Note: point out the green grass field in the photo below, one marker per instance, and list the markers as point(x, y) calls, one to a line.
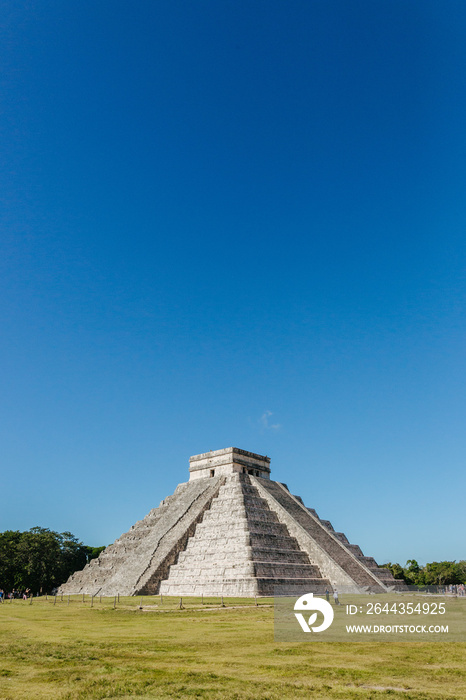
point(72, 651)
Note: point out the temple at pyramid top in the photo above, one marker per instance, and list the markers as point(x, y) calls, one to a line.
point(230, 460)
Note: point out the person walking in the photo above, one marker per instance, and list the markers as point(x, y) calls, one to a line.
point(335, 597)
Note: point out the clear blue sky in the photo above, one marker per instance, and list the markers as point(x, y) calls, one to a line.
point(235, 224)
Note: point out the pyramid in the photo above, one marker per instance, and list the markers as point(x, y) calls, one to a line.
point(230, 530)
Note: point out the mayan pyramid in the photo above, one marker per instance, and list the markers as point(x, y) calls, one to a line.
point(230, 531)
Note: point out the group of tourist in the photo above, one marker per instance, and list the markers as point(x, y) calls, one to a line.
point(15, 593)
point(456, 589)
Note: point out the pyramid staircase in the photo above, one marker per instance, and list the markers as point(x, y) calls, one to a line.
point(240, 548)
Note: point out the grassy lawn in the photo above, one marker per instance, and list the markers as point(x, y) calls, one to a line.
point(72, 651)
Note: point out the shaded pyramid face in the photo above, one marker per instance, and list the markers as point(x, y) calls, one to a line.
point(230, 531)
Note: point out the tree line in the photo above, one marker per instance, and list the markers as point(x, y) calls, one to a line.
point(40, 559)
point(436, 573)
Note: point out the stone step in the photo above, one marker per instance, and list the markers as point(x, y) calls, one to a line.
point(327, 524)
point(385, 575)
point(252, 516)
point(342, 537)
point(369, 562)
point(247, 587)
point(209, 525)
point(278, 555)
point(220, 570)
point(356, 550)
point(218, 544)
point(243, 524)
point(285, 570)
point(268, 528)
point(249, 500)
point(293, 587)
point(258, 539)
point(233, 509)
point(224, 545)
point(211, 557)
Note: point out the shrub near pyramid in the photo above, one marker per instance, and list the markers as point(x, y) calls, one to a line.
point(230, 531)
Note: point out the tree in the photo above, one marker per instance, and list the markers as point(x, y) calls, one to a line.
point(412, 573)
point(443, 573)
point(435, 573)
point(462, 570)
point(39, 559)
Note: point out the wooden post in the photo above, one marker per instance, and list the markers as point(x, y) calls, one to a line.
point(181, 603)
point(118, 597)
point(255, 598)
point(30, 602)
point(100, 598)
point(114, 603)
point(55, 599)
point(68, 600)
point(83, 597)
point(92, 601)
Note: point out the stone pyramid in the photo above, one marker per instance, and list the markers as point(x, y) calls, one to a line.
point(230, 531)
